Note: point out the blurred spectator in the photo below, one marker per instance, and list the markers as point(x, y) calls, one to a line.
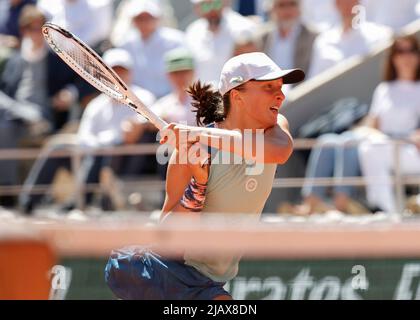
point(334, 155)
point(37, 91)
point(101, 123)
point(319, 15)
point(176, 106)
point(394, 14)
point(352, 37)
point(36, 75)
point(250, 7)
point(149, 45)
point(211, 38)
point(288, 42)
point(247, 44)
point(123, 25)
point(107, 123)
point(90, 20)
point(9, 27)
point(104, 123)
point(9, 15)
point(395, 111)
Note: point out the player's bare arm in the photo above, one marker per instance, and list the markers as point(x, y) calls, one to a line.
point(177, 180)
point(277, 141)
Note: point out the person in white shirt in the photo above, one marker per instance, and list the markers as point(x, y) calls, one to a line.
point(394, 14)
point(320, 15)
point(90, 20)
point(148, 46)
point(104, 123)
point(395, 111)
point(176, 106)
point(289, 42)
point(211, 38)
point(353, 37)
point(122, 25)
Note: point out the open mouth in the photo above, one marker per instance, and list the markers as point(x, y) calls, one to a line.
point(275, 109)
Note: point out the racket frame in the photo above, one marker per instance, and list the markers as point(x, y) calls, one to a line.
point(127, 96)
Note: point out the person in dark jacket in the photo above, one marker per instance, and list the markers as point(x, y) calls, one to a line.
point(38, 92)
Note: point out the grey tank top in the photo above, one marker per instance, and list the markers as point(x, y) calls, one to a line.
point(232, 189)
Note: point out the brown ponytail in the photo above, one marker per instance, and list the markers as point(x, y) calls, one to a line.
point(208, 104)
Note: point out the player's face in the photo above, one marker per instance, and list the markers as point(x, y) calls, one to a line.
point(262, 101)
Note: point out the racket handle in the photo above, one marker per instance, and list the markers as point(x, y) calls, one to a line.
point(141, 109)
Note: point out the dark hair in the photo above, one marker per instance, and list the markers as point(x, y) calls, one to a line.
point(390, 70)
point(208, 104)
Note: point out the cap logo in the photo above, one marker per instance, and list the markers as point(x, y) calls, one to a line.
point(238, 79)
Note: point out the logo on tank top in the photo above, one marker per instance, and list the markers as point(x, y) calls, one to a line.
point(251, 185)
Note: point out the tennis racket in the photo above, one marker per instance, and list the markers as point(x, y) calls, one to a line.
point(90, 66)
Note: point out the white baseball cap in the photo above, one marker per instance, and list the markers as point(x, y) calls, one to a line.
point(254, 66)
point(137, 7)
point(118, 57)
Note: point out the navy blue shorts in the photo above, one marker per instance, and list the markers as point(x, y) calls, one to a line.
point(136, 273)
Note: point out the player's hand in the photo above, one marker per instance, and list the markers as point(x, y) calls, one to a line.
point(179, 136)
point(186, 140)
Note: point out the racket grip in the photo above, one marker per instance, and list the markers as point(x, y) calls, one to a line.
point(141, 109)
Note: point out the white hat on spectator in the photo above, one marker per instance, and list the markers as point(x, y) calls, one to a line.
point(137, 7)
point(254, 66)
point(117, 57)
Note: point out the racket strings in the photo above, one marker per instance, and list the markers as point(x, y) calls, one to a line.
point(83, 63)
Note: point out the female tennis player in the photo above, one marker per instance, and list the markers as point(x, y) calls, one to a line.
point(249, 97)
